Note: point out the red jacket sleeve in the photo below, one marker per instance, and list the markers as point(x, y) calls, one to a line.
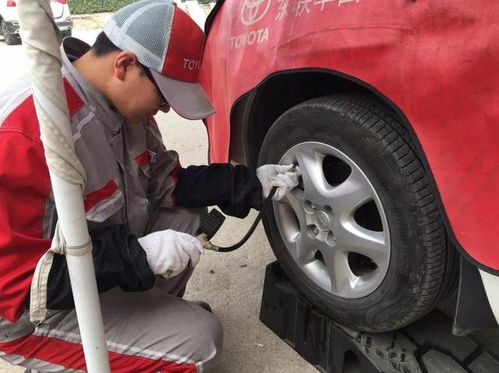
point(24, 189)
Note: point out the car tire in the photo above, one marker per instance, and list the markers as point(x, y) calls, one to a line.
point(362, 237)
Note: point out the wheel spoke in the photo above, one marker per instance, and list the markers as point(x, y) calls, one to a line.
point(295, 200)
point(310, 162)
point(350, 194)
point(342, 278)
point(305, 248)
point(353, 238)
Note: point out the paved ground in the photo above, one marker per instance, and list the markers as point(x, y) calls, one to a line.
point(231, 283)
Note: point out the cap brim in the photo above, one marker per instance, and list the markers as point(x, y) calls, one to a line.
point(187, 99)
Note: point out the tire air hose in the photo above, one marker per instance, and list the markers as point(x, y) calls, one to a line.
point(214, 220)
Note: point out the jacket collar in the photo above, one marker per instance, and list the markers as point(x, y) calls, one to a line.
point(72, 49)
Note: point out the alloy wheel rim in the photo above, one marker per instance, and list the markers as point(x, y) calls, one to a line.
point(323, 222)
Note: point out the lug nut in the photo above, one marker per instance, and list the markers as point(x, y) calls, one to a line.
point(331, 239)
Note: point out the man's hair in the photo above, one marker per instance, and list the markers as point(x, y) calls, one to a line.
point(103, 45)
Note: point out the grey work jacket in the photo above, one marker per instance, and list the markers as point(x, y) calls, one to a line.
point(128, 168)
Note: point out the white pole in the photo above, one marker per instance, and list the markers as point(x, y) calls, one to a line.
point(41, 44)
point(69, 204)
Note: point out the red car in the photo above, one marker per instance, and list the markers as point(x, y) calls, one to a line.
point(391, 110)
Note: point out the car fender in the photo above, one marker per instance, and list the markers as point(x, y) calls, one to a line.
point(435, 62)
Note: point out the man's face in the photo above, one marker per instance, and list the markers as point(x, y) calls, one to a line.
point(135, 94)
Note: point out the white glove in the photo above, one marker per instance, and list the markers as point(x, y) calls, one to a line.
point(168, 252)
point(280, 176)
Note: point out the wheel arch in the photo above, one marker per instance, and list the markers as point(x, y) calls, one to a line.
point(277, 93)
point(254, 112)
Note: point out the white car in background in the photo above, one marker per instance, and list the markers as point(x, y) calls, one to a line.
point(9, 22)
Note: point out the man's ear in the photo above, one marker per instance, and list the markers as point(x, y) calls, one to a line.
point(122, 63)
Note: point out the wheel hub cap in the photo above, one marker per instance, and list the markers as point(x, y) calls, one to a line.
point(322, 221)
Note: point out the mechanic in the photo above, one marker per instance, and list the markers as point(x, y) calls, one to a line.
point(142, 207)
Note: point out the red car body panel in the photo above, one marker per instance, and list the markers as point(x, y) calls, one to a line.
point(437, 61)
